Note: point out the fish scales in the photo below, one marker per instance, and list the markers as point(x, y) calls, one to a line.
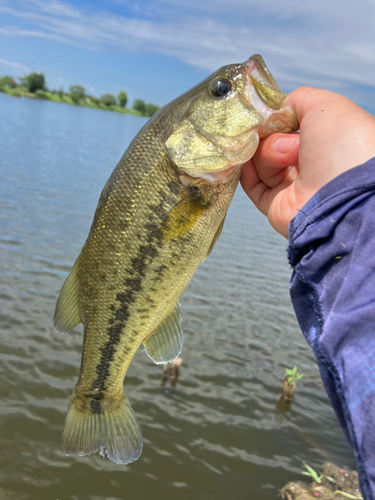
point(157, 219)
point(146, 250)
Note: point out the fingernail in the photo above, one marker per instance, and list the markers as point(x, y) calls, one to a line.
point(283, 144)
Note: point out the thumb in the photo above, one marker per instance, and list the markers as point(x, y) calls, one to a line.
point(274, 155)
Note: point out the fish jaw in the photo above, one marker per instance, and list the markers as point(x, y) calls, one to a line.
point(217, 136)
point(271, 103)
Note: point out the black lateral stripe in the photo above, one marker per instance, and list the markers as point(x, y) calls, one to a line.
point(133, 284)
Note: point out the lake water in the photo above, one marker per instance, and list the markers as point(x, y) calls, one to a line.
point(217, 435)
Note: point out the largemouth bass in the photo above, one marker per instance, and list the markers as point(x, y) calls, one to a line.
point(158, 217)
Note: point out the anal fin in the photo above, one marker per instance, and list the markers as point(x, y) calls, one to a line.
point(166, 343)
point(67, 314)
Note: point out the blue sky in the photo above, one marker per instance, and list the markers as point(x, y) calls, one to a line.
point(157, 49)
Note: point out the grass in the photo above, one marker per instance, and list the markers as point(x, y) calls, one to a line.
point(67, 99)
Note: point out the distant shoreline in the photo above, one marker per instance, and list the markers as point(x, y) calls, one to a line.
point(44, 95)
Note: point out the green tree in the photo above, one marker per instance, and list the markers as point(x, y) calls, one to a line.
point(33, 81)
point(92, 99)
point(151, 109)
point(77, 93)
point(7, 81)
point(122, 98)
point(108, 100)
point(139, 105)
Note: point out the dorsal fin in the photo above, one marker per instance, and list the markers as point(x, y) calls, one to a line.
point(166, 343)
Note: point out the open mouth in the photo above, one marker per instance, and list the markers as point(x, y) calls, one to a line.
point(256, 67)
point(264, 84)
point(252, 68)
point(267, 99)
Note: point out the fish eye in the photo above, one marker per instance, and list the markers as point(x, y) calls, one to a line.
point(221, 87)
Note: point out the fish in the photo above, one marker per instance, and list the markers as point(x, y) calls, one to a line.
point(158, 217)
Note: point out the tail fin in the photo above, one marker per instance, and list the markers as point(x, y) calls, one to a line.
point(114, 432)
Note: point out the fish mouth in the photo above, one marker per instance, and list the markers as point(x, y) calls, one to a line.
point(257, 69)
point(268, 100)
point(264, 83)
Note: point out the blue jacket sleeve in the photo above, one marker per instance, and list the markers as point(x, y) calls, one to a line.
point(332, 252)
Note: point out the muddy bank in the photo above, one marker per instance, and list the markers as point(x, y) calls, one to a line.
point(334, 483)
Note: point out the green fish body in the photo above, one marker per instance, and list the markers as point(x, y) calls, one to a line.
point(158, 217)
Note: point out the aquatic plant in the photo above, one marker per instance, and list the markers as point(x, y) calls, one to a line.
point(292, 375)
point(347, 495)
point(288, 388)
point(312, 473)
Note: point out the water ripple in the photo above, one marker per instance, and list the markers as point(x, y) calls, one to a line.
point(218, 434)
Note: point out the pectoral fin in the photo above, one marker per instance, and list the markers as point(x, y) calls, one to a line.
point(182, 218)
point(216, 237)
point(67, 314)
point(166, 343)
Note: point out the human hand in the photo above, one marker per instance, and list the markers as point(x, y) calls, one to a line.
point(288, 169)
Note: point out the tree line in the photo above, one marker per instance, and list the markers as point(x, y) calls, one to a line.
point(34, 85)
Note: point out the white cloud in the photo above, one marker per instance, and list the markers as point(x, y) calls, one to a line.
point(16, 68)
point(56, 8)
point(326, 43)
